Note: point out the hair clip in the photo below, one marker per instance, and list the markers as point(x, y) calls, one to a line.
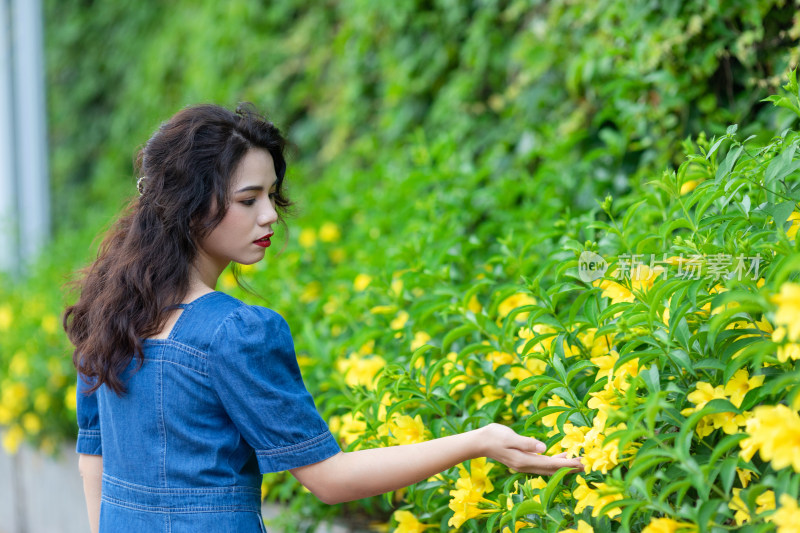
point(140, 185)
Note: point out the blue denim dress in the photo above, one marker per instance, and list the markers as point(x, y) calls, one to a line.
point(214, 406)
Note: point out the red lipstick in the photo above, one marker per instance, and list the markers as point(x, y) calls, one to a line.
point(264, 241)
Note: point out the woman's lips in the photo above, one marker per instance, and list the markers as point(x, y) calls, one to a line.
point(264, 241)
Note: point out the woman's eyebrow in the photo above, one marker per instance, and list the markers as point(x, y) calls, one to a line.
point(251, 188)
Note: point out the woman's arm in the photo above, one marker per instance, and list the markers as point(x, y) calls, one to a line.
point(91, 469)
point(354, 475)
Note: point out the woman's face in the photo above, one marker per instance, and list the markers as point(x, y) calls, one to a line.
point(243, 234)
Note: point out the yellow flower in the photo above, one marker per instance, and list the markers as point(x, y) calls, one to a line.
point(787, 517)
point(788, 313)
point(668, 525)
point(407, 430)
point(13, 395)
point(744, 476)
point(227, 280)
point(337, 255)
point(489, 393)
point(614, 291)
point(774, 431)
point(70, 398)
point(382, 309)
point(361, 370)
point(573, 439)
point(794, 218)
point(583, 527)
point(474, 305)
point(12, 438)
point(19, 366)
point(478, 474)
point(311, 292)
point(408, 523)
point(464, 502)
point(597, 345)
point(32, 423)
point(399, 321)
point(397, 286)
point(308, 237)
point(329, 232)
point(519, 299)
point(740, 384)
point(596, 498)
point(740, 513)
point(6, 317)
point(349, 427)
point(361, 282)
point(788, 351)
point(420, 339)
point(689, 186)
point(499, 359)
point(50, 324)
point(703, 394)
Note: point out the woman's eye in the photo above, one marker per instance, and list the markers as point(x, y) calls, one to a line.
point(249, 201)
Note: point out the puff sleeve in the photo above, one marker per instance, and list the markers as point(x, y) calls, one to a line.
point(89, 441)
point(254, 370)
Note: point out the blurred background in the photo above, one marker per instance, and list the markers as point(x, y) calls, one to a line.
point(429, 136)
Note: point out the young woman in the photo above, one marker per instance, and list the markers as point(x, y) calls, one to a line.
point(186, 395)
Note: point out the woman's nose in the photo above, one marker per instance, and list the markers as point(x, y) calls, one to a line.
point(268, 216)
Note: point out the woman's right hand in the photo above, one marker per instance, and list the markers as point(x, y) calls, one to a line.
point(523, 454)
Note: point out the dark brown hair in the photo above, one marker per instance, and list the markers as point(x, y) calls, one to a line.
point(143, 264)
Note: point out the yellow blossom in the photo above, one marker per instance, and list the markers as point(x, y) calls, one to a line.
point(573, 439)
point(740, 384)
point(489, 393)
point(689, 186)
point(614, 291)
point(408, 523)
point(12, 438)
point(788, 351)
point(70, 398)
point(361, 282)
point(407, 430)
point(420, 339)
point(787, 517)
point(329, 232)
point(349, 427)
point(596, 498)
point(361, 370)
point(499, 359)
point(478, 474)
point(744, 476)
point(227, 280)
point(32, 423)
point(399, 321)
point(464, 502)
point(583, 527)
point(397, 286)
point(774, 431)
point(788, 313)
point(474, 305)
point(597, 346)
point(50, 324)
point(308, 237)
point(6, 317)
point(382, 309)
point(311, 292)
point(668, 525)
point(514, 301)
point(551, 419)
point(19, 366)
point(794, 218)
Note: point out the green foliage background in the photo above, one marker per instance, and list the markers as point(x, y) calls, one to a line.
point(461, 147)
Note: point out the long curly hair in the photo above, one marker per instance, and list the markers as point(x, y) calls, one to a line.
point(142, 269)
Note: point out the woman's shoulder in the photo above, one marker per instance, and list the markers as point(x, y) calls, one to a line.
point(234, 316)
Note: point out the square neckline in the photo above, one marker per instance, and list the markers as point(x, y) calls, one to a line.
point(185, 309)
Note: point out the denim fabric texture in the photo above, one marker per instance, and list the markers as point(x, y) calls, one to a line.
point(215, 405)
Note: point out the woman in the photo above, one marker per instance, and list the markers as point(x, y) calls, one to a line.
point(186, 395)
